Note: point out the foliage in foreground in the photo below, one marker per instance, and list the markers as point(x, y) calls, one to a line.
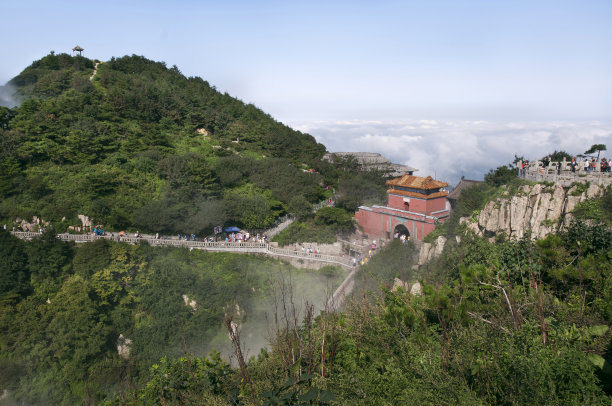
point(63, 308)
point(516, 322)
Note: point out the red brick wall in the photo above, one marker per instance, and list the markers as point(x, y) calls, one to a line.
point(436, 204)
point(417, 205)
point(380, 225)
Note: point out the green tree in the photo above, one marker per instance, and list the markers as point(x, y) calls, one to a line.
point(14, 270)
point(596, 147)
point(502, 175)
point(338, 218)
point(558, 156)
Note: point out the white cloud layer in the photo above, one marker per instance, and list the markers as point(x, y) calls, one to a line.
point(450, 149)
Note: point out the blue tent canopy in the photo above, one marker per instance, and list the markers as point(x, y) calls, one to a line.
point(232, 229)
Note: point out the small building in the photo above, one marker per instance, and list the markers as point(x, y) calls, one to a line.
point(371, 161)
point(464, 183)
point(77, 50)
point(415, 205)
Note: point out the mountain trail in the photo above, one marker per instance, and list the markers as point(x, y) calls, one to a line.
point(94, 71)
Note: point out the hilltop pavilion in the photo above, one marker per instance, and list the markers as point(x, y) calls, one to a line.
point(77, 50)
point(415, 205)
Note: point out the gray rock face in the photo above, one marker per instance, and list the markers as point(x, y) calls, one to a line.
point(424, 253)
point(35, 225)
point(539, 209)
point(429, 251)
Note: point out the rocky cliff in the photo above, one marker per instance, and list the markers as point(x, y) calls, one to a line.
point(538, 208)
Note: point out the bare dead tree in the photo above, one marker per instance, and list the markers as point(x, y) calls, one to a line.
point(234, 334)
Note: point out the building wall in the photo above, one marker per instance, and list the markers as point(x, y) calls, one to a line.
point(425, 206)
point(436, 204)
point(382, 225)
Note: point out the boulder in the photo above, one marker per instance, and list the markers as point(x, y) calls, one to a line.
point(439, 246)
point(398, 283)
point(416, 289)
point(123, 346)
point(191, 303)
point(424, 253)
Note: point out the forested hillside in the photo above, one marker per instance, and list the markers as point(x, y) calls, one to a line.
point(492, 320)
point(64, 309)
point(510, 322)
point(141, 145)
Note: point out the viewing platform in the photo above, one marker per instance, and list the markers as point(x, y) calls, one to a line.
point(562, 173)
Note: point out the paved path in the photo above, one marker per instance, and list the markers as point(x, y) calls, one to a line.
point(334, 303)
point(236, 247)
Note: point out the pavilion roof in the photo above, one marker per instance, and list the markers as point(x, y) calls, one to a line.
point(417, 182)
point(463, 183)
point(77, 48)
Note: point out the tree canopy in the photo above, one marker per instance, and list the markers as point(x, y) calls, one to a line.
point(140, 137)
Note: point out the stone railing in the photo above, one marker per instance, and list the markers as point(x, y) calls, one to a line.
point(279, 227)
point(236, 247)
point(341, 293)
point(561, 172)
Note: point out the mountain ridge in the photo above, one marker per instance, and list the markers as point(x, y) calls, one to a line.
point(138, 138)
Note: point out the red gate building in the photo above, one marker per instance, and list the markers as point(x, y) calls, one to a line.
point(415, 205)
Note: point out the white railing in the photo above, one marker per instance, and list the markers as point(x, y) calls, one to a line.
point(236, 247)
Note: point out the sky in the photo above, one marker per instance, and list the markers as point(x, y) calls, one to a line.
point(431, 84)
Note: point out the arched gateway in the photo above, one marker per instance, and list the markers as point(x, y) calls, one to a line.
point(401, 230)
point(415, 205)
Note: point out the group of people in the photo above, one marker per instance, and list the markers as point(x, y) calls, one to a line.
point(590, 165)
point(310, 250)
point(244, 237)
point(584, 164)
point(190, 237)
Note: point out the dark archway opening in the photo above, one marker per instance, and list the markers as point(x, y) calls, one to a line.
point(400, 231)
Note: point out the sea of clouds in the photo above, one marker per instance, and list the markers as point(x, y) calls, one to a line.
point(451, 149)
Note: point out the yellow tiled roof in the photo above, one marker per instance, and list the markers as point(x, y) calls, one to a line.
point(417, 182)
